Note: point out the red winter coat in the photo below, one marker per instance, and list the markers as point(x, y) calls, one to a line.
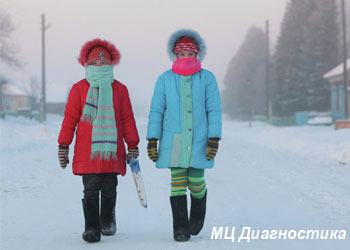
point(125, 124)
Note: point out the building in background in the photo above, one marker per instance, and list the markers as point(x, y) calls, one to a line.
point(14, 98)
point(335, 78)
point(18, 101)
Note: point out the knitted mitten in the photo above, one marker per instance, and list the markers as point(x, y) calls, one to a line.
point(133, 153)
point(212, 148)
point(63, 151)
point(152, 149)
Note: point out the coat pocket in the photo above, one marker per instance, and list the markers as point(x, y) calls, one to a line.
point(175, 158)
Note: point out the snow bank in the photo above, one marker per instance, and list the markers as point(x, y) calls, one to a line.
point(265, 177)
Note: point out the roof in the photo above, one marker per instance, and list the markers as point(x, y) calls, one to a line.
point(12, 89)
point(55, 93)
point(337, 71)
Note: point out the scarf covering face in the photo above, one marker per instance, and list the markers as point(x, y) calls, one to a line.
point(186, 66)
point(99, 112)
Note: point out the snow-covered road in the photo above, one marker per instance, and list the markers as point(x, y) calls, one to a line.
point(265, 178)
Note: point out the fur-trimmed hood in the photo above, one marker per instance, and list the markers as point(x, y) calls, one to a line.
point(86, 48)
point(188, 33)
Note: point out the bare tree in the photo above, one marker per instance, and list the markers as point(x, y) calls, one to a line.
point(34, 87)
point(8, 50)
point(34, 92)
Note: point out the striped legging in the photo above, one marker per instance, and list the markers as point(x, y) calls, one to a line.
point(193, 178)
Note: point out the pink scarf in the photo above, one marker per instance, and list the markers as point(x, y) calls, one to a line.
point(186, 66)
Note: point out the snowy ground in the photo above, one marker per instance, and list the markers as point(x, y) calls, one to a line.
point(265, 178)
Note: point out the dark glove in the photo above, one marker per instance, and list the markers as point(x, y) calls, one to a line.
point(152, 149)
point(63, 151)
point(212, 148)
point(133, 153)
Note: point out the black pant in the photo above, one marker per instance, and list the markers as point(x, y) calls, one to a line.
point(94, 183)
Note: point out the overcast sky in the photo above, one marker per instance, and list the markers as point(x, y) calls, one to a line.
point(139, 29)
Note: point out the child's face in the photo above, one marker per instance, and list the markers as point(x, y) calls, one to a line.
point(99, 57)
point(99, 62)
point(186, 54)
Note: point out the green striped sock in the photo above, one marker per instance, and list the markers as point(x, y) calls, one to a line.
point(196, 182)
point(178, 181)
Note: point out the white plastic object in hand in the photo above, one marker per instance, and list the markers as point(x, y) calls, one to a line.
point(136, 172)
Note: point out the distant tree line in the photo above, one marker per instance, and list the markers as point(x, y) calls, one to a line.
point(307, 47)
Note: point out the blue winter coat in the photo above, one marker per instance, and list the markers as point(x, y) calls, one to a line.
point(166, 118)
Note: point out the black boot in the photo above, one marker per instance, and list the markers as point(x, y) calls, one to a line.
point(92, 224)
point(109, 183)
point(108, 225)
point(180, 218)
point(197, 214)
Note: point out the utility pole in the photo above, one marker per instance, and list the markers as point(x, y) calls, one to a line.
point(267, 72)
point(44, 27)
point(2, 109)
point(252, 95)
point(345, 57)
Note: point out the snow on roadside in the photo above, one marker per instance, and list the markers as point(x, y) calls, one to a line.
point(265, 177)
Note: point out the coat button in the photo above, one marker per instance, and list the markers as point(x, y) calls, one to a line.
point(190, 129)
point(190, 111)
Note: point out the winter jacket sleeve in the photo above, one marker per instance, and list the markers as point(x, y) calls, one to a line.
point(158, 104)
point(213, 107)
point(71, 117)
point(131, 135)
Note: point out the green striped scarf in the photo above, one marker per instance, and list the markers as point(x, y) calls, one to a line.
point(99, 112)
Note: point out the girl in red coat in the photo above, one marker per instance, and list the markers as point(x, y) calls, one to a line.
point(100, 112)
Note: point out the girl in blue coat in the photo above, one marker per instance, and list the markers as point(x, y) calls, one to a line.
point(185, 118)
